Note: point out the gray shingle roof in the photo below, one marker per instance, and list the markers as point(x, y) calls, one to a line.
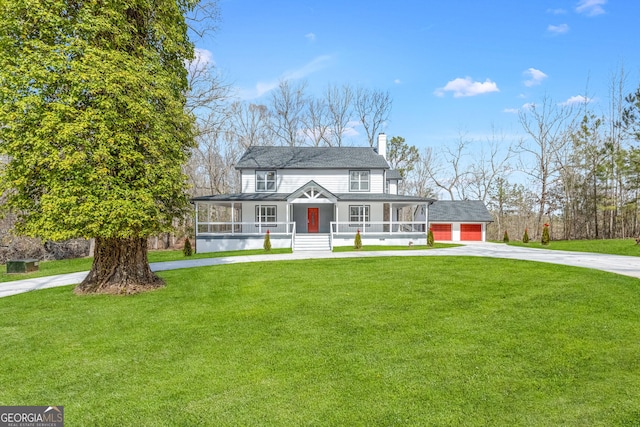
point(260, 157)
point(393, 174)
point(344, 197)
point(459, 211)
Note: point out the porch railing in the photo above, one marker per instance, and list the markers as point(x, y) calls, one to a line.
point(245, 228)
point(379, 227)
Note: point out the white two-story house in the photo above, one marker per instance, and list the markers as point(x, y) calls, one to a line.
point(313, 198)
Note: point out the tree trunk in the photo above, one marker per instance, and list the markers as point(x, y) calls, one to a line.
point(120, 266)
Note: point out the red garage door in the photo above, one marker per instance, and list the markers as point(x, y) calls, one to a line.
point(441, 231)
point(471, 232)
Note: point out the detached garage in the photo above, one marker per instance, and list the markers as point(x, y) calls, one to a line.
point(459, 220)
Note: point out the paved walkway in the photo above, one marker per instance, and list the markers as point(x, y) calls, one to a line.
point(625, 265)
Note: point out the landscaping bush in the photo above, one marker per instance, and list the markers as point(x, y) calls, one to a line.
point(525, 236)
point(430, 239)
point(267, 242)
point(187, 250)
point(505, 238)
point(545, 235)
point(358, 242)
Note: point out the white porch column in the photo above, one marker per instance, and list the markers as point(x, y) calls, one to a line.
point(287, 218)
point(390, 218)
point(233, 218)
point(426, 217)
point(196, 221)
point(260, 219)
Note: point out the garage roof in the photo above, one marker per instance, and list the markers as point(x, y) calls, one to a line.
point(459, 211)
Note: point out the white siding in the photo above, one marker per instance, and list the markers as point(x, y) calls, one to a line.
point(334, 180)
point(376, 210)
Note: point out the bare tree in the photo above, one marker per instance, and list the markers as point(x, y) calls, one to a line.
point(372, 108)
point(548, 125)
point(446, 170)
point(288, 104)
point(489, 164)
point(418, 180)
point(317, 123)
point(249, 125)
point(339, 104)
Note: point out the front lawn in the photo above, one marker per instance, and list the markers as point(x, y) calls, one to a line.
point(609, 246)
point(384, 341)
point(52, 268)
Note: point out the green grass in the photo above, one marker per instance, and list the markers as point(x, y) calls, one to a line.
point(610, 246)
point(51, 268)
point(384, 341)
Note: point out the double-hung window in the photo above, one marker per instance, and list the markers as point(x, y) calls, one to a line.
point(265, 181)
point(265, 214)
point(359, 214)
point(359, 181)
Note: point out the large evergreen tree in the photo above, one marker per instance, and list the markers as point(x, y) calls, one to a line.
point(93, 126)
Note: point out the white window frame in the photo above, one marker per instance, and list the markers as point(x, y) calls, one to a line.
point(266, 181)
point(362, 216)
point(266, 214)
point(358, 180)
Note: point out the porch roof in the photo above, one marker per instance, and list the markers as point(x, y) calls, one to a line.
point(282, 197)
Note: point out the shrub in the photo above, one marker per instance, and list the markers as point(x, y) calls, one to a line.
point(545, 235)
point(187, 250)
point(358, 242)
point(430, 238)
point(267, 242)
point(505, 238)
point(525, 236)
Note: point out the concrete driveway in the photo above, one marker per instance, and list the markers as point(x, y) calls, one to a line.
point(625, 265)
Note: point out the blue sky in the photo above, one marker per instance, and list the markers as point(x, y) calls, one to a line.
point(450, 66)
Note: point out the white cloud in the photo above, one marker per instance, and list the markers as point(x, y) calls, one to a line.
point(467, 87)
point(557, 11)
point(578, 99)
point(309, 68)
point(202, 59)
point(526, 106)
point(558, 29)
point(535, 77)
point(591, 7)
point(203, 56)
point(397, 81)
point(299, 73)
point(311, 37)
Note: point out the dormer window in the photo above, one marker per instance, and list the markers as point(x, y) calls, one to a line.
point(359, 181)
point(265, 181)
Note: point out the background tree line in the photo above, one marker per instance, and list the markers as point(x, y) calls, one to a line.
point(571, 166)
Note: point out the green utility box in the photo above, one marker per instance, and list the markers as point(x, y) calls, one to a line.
point(22, 265)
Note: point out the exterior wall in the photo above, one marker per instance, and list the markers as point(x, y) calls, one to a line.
point(376, 210)
point(325, 212)
point(455, 229)
point(396, 240)
point(334, 180)
point(249, 211)
point(393, 186)
point(234, 243)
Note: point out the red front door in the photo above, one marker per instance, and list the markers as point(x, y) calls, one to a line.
point(312, 220)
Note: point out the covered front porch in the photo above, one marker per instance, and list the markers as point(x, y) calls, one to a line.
point(240, 221)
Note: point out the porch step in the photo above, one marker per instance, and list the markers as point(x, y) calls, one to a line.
point(312, 242)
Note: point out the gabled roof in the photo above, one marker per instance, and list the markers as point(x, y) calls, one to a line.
point(260, 157)
point(459, 211)
point(313, 190)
